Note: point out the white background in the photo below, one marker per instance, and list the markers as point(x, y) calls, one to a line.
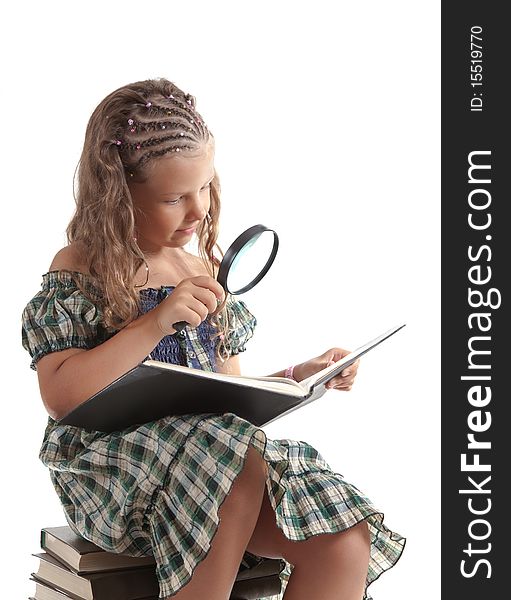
point(327, 124)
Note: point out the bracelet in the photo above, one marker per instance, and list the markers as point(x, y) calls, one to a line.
point(289, 372)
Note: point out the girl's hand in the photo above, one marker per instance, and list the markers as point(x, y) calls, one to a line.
point(191, 301)
point(343, 381)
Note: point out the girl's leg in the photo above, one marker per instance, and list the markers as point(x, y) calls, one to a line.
point(330, 566)
point(214, 577)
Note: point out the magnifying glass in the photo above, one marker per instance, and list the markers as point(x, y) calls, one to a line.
point(246, 262)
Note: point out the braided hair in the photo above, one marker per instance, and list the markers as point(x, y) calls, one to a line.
point(130, 129)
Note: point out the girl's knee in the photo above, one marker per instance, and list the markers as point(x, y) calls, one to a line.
point(356, 541)
point(255, 467)
point(361, 537)
point(250, 484)
point(352, 544)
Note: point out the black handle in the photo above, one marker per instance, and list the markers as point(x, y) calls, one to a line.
point(179, 326)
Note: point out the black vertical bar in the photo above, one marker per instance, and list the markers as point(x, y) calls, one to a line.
point(475, 255)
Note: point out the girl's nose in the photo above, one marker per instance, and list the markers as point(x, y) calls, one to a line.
point(197, 210)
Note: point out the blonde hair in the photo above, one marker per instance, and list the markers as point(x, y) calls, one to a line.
point(130, 129)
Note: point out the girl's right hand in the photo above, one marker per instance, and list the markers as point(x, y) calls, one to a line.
point(191, 301)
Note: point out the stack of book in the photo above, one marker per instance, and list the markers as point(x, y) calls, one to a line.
point(71, 567)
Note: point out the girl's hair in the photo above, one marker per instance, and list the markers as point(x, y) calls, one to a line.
point(130, 129)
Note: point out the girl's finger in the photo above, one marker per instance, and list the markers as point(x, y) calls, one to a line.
point(342, 388)
point(336, 383)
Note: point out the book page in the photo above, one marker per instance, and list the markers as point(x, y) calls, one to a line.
point(323, 376)
point(280, 385)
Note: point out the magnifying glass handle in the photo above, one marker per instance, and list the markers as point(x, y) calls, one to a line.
point(179, 326)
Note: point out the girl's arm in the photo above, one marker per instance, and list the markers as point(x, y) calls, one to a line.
point(343, 381)
point(67, 378)
point(296, 373)
point(232, 367)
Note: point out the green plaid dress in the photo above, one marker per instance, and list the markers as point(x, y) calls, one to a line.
point(155, 489)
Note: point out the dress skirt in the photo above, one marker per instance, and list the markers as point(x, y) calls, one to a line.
point(156, 489)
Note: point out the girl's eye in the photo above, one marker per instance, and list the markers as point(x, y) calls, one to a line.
point(174, 202)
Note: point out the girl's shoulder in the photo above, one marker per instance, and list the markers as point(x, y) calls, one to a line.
point(69, 265)
point(70, 258)
point(67, 269)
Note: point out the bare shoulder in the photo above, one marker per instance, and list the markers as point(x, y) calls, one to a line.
point(70, 257)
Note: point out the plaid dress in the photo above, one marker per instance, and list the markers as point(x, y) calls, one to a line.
point(155, 489)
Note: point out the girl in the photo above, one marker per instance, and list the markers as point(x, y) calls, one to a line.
point(195, 491)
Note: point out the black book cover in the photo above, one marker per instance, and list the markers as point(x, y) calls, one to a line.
point(147, 393)
point(153, 390)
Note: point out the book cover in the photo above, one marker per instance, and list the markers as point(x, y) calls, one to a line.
point(154, 389)
point(45, 591)
point(55, 582)
point(82, 556)
point(75, 551)
point(130, 584)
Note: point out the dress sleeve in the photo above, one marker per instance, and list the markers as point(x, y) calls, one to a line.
point(58, 317)
point(241, 327)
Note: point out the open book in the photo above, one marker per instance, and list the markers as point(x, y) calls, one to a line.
point(155, 389)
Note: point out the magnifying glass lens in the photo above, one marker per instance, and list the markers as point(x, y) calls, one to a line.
point(246, 262)
point(250, 261)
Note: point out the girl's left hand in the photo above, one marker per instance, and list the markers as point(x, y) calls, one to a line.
point(343, 381)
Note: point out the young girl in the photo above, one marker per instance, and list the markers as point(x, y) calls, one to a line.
point(195, 491)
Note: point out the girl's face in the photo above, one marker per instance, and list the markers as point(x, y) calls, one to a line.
point(173, 200)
